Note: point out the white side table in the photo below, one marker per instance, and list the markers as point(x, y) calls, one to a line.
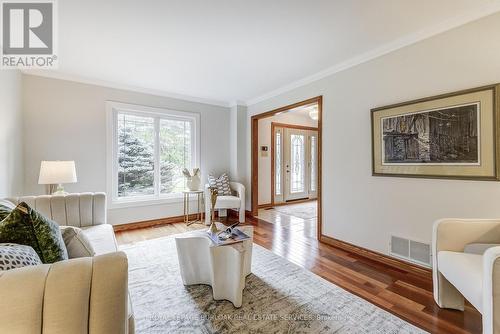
point(222, 267)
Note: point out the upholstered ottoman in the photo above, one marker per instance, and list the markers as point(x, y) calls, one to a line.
point(222, 267)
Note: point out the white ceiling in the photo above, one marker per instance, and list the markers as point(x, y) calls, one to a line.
point(237, 50)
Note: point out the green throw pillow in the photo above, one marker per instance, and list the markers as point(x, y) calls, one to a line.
point(26, 226)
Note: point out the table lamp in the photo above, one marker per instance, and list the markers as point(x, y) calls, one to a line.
point(57, 172)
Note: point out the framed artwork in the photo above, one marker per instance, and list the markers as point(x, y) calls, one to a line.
point(452, 136)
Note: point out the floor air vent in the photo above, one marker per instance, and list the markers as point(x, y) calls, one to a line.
point(410, 250)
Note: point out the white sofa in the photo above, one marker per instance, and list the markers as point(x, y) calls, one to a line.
point(98, 285)
point(466, 263)
point(236, 201)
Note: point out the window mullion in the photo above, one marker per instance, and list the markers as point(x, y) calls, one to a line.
point(194, 145)
point(115, 149)
point(157, 182)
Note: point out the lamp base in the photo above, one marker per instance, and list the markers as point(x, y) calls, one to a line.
point(59, 190)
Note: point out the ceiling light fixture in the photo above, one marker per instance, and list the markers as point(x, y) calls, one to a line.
point(314, 113)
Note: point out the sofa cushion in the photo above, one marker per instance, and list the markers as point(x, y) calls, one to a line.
point(16, 256)
point(465, 272)
point(77, 243)
point(26, 226)
point(102, 238)
point(221, 184)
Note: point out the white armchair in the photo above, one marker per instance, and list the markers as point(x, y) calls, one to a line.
point(459, 272)
point(236, 201)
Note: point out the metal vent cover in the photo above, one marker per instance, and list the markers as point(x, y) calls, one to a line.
point(420, 252)
point(400, 246)
point(411, 250)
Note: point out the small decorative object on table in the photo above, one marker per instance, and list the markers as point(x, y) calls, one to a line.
point(213, 228)
point(193, 180)
point(227, 236)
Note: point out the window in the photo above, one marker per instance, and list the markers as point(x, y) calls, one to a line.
point(149, 148)
point(277, 164)
point(314, 163)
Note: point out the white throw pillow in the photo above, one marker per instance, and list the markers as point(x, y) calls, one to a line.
point(221, 183)
point(77, 244)
point(14, 256)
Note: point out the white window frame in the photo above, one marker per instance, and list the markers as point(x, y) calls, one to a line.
point(112, 110)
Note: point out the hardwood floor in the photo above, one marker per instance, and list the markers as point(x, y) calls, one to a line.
point(404, 294)
point(289, 217)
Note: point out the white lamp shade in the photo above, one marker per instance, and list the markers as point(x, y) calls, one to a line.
point(57, 172)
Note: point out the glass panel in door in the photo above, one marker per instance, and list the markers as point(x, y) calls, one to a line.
point(297, 163)
point(313, 164)
point(277, 164)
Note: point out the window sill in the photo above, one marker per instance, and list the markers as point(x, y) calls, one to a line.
point(138, 202)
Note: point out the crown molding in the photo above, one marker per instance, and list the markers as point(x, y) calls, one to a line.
point(237, 103)
point(400, 43)
point(52, 74)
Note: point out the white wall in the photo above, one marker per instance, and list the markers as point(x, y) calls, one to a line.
point(11, 134)
point(366, 210)
point(66, 120)
point(237, 142)
point(294, 118)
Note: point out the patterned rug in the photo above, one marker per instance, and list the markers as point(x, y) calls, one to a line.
point(280, 297)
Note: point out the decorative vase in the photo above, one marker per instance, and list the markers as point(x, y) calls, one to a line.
point(213, 199)
point(193, 183)
point(213, 228)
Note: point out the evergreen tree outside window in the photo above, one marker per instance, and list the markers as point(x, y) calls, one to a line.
point(135, 155)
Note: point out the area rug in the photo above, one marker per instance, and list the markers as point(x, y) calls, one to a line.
point(306, 210)
point(280, 297)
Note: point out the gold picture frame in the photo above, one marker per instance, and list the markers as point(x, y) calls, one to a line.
point(449, 136)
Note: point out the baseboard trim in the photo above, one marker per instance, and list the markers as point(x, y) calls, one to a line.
point(176, 219)
point(297, 201)
point(152, 222)
point(379, 257)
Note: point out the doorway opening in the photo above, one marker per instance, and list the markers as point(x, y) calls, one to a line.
point(286, 165)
